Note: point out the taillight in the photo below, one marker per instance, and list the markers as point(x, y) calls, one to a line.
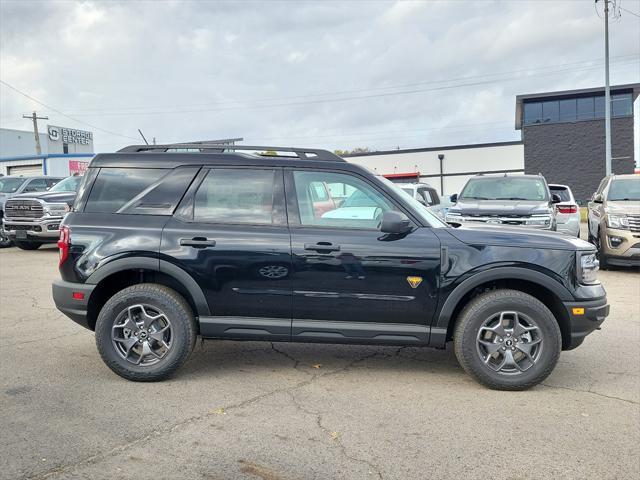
point(64, 242)
point(567, 209)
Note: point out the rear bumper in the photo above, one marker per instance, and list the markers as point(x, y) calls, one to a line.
point(570, 226)
point(75, 309)
point(582, 324)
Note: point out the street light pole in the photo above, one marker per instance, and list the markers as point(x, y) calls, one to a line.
point(607, 92)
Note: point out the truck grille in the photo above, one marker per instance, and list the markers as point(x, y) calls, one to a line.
point(634, 223)
point(23, 209)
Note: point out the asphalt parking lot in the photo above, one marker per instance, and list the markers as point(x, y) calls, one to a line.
point(262, 411)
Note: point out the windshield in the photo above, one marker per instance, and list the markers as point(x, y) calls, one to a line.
point(505, 188)
point(69, 184)
point(418, 208)
point(10, 185)
point(625, 189)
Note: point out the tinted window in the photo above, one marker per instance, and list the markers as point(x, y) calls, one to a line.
point(550, 111)
point(621, 105)
point(505, 188)
point(598, 107)
point(585, 108)
point(10, 185)
point(532, 113)
point(562, 192)
point(37, 185)
point(568, 110)
point(236, 196)
point(363, 207)
point(115, 187)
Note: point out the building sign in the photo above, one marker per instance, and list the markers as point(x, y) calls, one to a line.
point(69, 135)
point(77, 167)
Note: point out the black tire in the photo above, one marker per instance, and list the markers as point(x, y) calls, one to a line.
point(5, 242)
point(162, 299)
point(28, 245)
point(485, 306)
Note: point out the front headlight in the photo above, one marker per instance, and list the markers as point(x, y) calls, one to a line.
point(56, 209)
point(539, 220)
point(617, 221)
point(588, 266)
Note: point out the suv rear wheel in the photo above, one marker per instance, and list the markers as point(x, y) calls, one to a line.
point(145, 332)
point(507, 340)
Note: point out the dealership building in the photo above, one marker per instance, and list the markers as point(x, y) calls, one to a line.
point(65, 151)
point(562, 137)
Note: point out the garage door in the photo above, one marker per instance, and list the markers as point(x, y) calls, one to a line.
point(25, 170)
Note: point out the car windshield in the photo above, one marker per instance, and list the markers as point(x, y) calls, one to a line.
point(10, 185)
point(625, 189)
point(359, 199)
point(418, 208)
point(562, 192)
point(505, 188)
point(69, 184)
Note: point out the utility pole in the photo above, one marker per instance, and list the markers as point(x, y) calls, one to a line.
point(35, 119)
point(607, 90)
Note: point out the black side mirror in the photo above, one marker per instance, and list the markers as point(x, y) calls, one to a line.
point(555, 198)
point(395, 222)
point(454, 198)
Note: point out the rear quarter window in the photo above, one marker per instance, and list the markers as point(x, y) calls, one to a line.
point(562, 192)
point(115, 187)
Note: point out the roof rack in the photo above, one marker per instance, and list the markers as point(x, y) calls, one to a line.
point(260, 150)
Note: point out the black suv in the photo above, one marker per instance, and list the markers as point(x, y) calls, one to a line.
point(164, 244)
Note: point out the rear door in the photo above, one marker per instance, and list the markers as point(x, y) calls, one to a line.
point(353, 283)
point(230, 234)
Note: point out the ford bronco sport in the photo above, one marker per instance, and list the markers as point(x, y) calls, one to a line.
point(162, 246)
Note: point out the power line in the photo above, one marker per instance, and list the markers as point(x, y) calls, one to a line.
point(629, 11)
point(64, 114)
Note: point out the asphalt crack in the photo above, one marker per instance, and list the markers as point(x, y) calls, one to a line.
point(577, 390)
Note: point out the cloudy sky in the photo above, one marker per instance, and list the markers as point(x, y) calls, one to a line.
point(333, 74)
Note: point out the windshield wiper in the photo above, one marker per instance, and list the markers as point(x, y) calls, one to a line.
point(474, 198)
point(512, 198)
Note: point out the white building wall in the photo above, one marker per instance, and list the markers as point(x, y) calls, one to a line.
point(14, 143)
point(459, 163)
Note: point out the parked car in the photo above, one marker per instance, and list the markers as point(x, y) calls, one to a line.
point(12, 185)
point(516, 200)
point(33, 219)
point(426, 195)
point(614, 220)
point(162, 247)
point(567, 211)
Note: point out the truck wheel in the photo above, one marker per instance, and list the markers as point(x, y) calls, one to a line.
point(507, 340)
point(28, 245)
point(145, 332)
point(5, 241)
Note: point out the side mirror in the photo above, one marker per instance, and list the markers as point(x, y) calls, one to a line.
point(555, 198)
point(395, 222)
point(598, 198)
point(454, 198)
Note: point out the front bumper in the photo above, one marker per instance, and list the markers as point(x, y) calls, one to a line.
point(620, 247)
point(584, 318)
point(44, 230)
point(74, 308)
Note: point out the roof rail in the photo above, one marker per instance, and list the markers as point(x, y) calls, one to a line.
point(260, 150)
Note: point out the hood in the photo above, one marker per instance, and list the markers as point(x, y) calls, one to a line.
point(629, 207)
point(518, 237)
point(48, 197)
point(500, 207)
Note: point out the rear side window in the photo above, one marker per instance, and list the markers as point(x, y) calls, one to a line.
point(236, 196)
point(36, 185)
point(115, 187)
point(562, 192)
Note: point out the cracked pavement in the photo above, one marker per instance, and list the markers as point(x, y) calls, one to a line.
point(256, 410)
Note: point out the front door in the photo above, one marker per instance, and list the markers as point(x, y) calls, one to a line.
point(230, 235)
point(351, 282)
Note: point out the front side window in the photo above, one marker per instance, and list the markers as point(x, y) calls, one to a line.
point(115, 187)
point(426, 196)
point(505, 188)
point(362, 208)
point(624, 189)
point(236, 196)
point(36, 185)
point(69, 184)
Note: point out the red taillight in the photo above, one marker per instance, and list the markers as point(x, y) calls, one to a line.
point(64, 243)
point(567, 209)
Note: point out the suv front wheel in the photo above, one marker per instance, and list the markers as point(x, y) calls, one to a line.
point(507, 340)
point(145, 332)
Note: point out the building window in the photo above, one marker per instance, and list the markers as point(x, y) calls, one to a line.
point(65, 148)
point(576, 109)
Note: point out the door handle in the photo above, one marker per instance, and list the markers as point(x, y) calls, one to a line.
point(322, 247)
point(197, 242)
